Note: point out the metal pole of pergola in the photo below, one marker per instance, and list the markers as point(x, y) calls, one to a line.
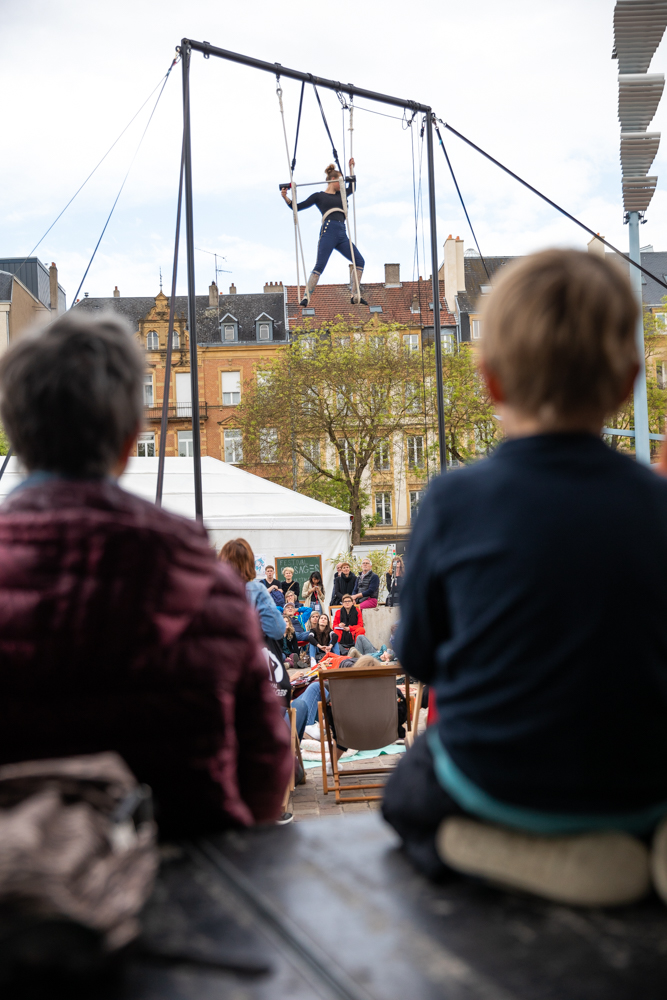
point(187, 47)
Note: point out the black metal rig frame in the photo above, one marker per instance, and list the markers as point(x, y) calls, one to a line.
point(188, 46)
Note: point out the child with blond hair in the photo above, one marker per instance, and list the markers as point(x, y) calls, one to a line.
point(535, 604)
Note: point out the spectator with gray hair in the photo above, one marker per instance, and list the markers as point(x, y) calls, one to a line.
point(119, 629)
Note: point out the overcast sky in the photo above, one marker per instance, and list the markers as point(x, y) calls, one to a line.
point(533, 83)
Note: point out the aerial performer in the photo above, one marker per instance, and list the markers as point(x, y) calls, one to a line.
point(333, 234)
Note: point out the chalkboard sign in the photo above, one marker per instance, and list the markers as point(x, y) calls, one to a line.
point(303, 566)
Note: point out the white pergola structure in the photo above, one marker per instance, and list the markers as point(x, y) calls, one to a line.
point(638, 29)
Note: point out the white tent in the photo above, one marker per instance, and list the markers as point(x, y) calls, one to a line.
point(274, 520)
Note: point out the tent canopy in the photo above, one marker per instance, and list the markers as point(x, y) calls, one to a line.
point(274, 520)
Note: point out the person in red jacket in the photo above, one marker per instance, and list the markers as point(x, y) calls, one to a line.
point(119, 628)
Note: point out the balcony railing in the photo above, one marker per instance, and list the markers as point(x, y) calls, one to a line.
point(179, 411)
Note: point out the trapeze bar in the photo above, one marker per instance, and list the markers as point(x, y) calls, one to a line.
point(295, 74)
point(630, 434)
point(310, 184)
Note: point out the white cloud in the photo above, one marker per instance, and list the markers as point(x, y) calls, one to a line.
point(531, 83)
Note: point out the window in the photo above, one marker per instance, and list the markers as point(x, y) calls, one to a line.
point(415, 499)
point(185, 449)
point(381, 459)
point(476, 329)
point(307, 343)
point(448, 343)
point(312, 450)
point(343, 341)
point(411, 341)
point(661, 374)
point(310, 402)
point(268, 444)
point(146, 446)
point(415, 452)
point(231, 388)
point(350, 454)
point(229, 329)
point(485, 289)
point(660, 322)
point(263, 379)
point(233, 447)
point(183, 394)
point(152, 342)
point(148, 390)
point(307, 312)
point(175, 340)
point(415, 307)
point(264, 331)
point(375, 309)
point(383, 507)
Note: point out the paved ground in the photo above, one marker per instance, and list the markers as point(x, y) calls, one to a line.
point(310, 802)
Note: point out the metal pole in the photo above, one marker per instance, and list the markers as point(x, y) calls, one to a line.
point(294, 74)
point(164, 423)
point(436, 292)
point(642, 441)
point(192, 305)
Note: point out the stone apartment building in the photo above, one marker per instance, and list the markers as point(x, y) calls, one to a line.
point(29, 294)
point(236, 332)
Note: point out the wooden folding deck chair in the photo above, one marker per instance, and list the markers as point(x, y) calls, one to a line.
point(365, 713)
point(296, 753)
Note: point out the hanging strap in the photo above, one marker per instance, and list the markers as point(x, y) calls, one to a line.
point(298, 124)
point(326, 125)
point(298, 245)
point(354, 199)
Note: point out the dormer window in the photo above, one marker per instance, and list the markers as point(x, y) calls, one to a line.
point(152, 343)
point(229, 329)
point(264, 328)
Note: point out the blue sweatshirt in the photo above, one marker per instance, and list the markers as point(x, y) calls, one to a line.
point(535, 602)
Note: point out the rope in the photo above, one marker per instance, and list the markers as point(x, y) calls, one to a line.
point(553, 204)
point(136, 152)
point(326, 125)
point(99, 164)
point(298, 245)
point(463, 205)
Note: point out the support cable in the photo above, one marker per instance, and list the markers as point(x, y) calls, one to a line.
point(298, 124)
point(326, 125)
point(298, 243)
point(164, 422)
point(114, 143)
point(553, 204)
point(143, 136)
point(463, 205)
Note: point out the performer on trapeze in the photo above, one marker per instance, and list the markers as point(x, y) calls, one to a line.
point(333, 234)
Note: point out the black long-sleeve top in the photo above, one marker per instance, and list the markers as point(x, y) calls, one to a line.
point(326, 201)
point(535, 602)
point(343, 585)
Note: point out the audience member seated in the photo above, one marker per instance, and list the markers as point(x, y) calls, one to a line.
point(289, 585)
point(367, 586)
point(395, 582)
point(119, 629)
point(348, 623)
point(538, 612)
point(238, 554)
point(344, 583)
point(366, 648)
point(324, 641)
point(303, 634)
point(290, 642)
point(313, 591)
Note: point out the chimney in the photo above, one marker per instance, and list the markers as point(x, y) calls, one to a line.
point(116, 293)
point(232, 289)
point(273, 286)
point(392, 276)
point(213, 294)
point(453, 267)
point(596, 247)
point(53, 288)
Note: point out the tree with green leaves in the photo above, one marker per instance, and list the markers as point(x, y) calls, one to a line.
point(331, 398)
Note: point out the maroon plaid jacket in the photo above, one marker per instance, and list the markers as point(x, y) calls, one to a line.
point(119, 630)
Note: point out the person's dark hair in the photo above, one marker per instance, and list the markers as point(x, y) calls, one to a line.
point(70, 395)
point(316, 577)
point(239, 555)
